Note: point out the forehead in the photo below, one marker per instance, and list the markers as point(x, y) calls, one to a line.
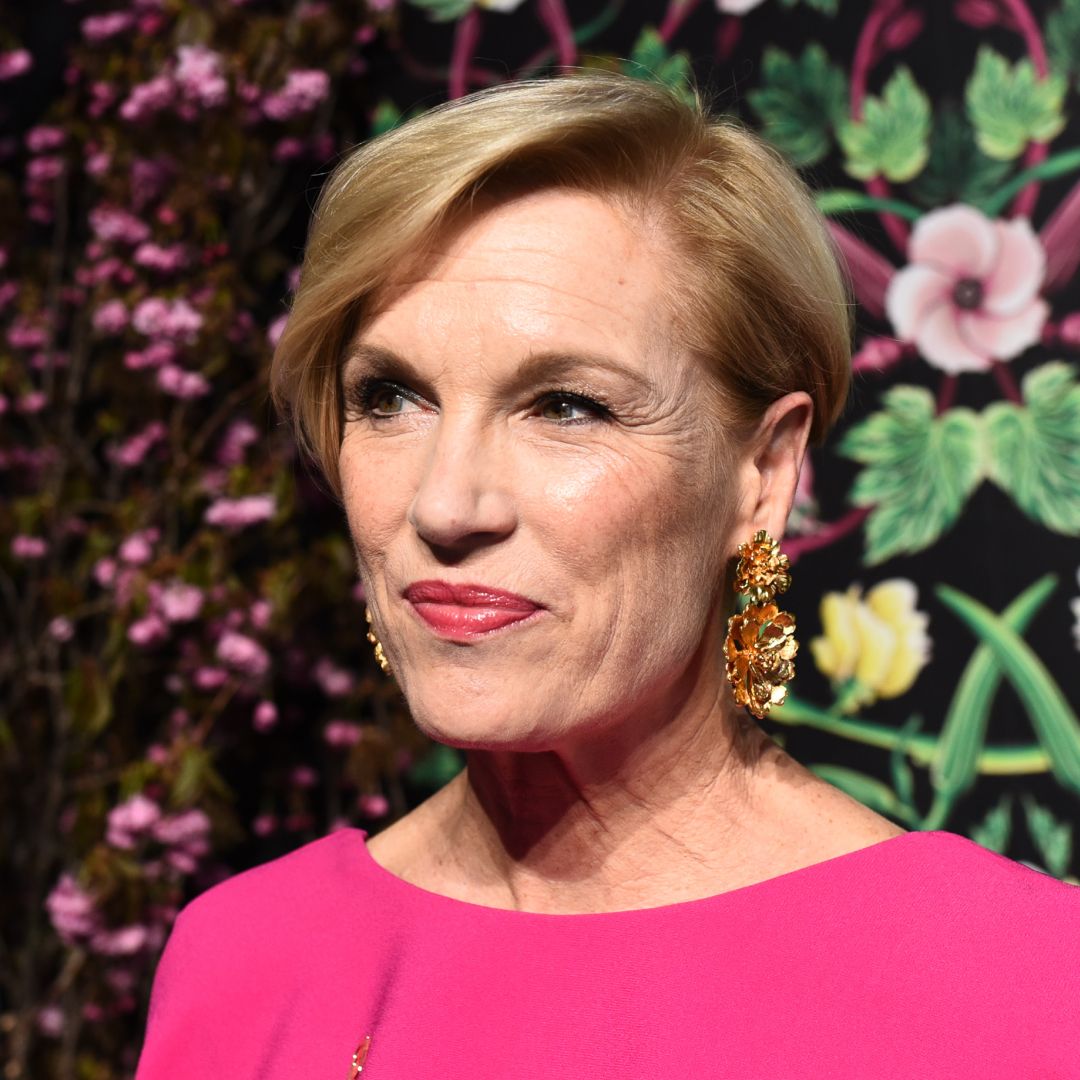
point(551, 264)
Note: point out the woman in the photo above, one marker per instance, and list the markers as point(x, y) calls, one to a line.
point(560, 348)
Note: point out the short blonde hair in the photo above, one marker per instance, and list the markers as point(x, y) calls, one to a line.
point(761, 295)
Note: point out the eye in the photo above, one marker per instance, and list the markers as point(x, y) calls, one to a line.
point(379, 398)
point(561, 406)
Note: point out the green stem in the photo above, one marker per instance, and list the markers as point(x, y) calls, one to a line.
point(1059, 165)
point(1025, 759)
point(837, 201)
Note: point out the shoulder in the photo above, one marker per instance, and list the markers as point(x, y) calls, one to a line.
point(993, 909)
point(284, 900)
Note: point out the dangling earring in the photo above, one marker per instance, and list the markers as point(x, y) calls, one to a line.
point(380, 656)
point(760, 645)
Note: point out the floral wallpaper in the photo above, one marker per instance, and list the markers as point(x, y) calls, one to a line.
point(185, 685)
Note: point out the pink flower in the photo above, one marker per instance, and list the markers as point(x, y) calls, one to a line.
point(32, 402)
point(133, 451)
point(147, 631)
point(61, 629)
point(373, 805)
point(264, 825)
point(110, 224)
point(149, 98)
point(243, 654)
point(240, 435)
point(98, 28)
point(105, 572)
point(137, 549)
point(260, 613)
point(302, 92)
point(210, 678)
point(199, 75)
point(174, 320)
point(15, 62)
point(303, 776)
point(180, 602)
point(238, 513)
point(130, 820)
point(276, 329)
point(333, 680)
point(970, 293)
point(165, 260)
point(126, 941)
point(188, 829)
point(72, 910)
point(111, 317)
point(28, 547)
point(50, 1021)
point(43, 138)
point(342, 733)
point(266, 716)
point(178, 383)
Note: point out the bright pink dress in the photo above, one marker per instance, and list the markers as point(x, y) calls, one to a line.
point(922, 957)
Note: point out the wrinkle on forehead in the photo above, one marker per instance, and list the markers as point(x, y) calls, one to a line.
point(616, 279)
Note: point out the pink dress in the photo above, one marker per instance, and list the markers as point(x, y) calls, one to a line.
point(922, 957)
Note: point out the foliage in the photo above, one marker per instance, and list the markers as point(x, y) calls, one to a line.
point(1010, 106)
point(957, 170)
point(651, 59)
point(1033, 449)
point(892, 139)
point(800, 103)
point(920, 469)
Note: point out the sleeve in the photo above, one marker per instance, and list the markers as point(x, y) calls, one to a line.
point(171, 1047)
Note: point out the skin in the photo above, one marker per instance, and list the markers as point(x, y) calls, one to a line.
point(607, 764)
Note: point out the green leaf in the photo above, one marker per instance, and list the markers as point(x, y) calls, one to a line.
point(826, 7)
point(651, 60)
point(1053, 838)
point(386, 116)
point(1033, 450)
point(920, 469)
point(436, 768)
point(444, 10)
point(957, 171)
point(1011, 106)
point(799, 102)
point(994, 830)
point(954, 766)
point(1051, 716)
point(892, 139)
point(1063, 38)
point(868, 790)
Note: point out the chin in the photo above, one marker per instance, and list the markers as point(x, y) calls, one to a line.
point(473, 722)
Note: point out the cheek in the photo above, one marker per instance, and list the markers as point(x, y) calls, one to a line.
point(373, 501)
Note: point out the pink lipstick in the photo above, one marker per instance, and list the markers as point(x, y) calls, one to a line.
point(461, 611)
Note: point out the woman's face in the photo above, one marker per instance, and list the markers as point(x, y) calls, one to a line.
point(519, 418)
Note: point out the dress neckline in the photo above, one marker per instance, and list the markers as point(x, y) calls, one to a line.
point(416, 894)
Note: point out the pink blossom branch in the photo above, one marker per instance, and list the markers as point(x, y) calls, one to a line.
point(868, 270)
point(553, 15)
point(1007, 383)
point(797, 546)
point(466, 38)
point(674, 17)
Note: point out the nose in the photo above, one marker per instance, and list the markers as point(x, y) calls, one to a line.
point(464, 498)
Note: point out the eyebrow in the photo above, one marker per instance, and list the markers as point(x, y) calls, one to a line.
point(536, 367)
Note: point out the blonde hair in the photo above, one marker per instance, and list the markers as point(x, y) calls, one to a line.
point(760, 292)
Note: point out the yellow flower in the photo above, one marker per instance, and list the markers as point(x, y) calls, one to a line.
point(876, 645)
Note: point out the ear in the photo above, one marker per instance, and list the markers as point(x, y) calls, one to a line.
point(773, 463)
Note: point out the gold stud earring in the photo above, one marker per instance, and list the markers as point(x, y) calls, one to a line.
point(380, 656)
point(760, 645)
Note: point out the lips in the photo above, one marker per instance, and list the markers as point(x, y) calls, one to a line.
point(459, 611)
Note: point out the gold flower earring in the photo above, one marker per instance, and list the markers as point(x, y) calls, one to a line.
point(380, 656)
point(760, 645)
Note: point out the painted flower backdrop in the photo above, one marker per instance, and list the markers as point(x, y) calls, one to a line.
point(185, 688)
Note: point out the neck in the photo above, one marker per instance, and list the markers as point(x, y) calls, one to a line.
point(644, 812)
